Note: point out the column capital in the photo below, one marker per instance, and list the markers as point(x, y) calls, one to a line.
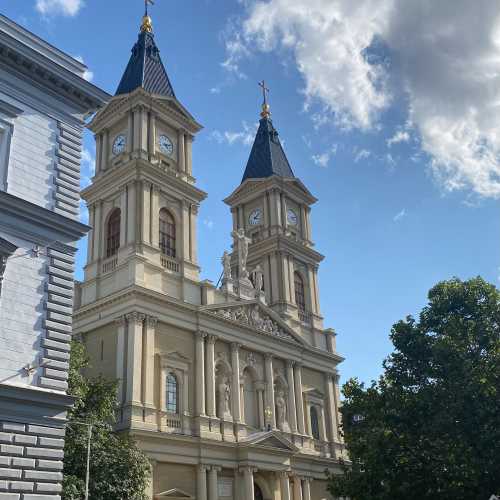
point(235, 346)
point(284, 473)
point(290, 363)
point(135, 317)
point(298, 365)
point(200, 335)
point(212, 339)
point(215, 468)
point(268, 356)
point(120, 321)
point(203, 467)
point(152, 321)
point(248, 468)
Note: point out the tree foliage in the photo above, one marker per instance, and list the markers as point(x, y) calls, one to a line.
point(430, 428)
point(118, 469)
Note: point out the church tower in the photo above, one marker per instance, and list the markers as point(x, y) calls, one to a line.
point(143, 203)
point(273, 207)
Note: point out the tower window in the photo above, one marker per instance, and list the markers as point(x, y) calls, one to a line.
point(113, 233)
point(167, 234)
point(314, 423)
point(300, 296)
point(172, 393)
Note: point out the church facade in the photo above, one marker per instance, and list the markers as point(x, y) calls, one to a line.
point(231, 391)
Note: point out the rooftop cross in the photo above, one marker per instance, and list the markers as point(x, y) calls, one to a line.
point(266, 113)
point(146, 3)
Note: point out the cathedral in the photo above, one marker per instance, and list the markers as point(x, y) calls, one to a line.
point(232, 391)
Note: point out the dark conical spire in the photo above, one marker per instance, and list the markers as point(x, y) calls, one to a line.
point(145, 68)
point(267, 157)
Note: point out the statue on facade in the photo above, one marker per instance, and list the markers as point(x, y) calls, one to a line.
point(258, 280)
point(226, 265)
point(280, 409)
point(243, 242)
point(224, 397)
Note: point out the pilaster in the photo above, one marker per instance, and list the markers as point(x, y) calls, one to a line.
point(299, 398)
point(235, 385)
point(291, 396)
point(148, 368)
point(134, 364)
point(270, 406)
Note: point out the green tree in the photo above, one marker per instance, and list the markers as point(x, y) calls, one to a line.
point(118, 468)
point(430, 428)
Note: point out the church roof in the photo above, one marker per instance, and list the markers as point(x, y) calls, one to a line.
point(145, 69)
point(267, 157)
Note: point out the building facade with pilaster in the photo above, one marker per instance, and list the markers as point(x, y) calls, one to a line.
point(231, 391)
point(43, 102)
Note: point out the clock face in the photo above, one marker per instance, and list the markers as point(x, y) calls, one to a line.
point(291, 217)
point(255, 217)
point(166, 146)
point(119, 144)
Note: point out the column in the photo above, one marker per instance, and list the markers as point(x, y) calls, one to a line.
point(297, 488)
point(120, 357)
point(152, 134)
point(97, 231)
point(235, 386)
point(270, 407)
point(185, 230)
point(303, 223)
point(316, 289)
point(307, 488)
point(200, 373)
point(210, 375)
point(310, 290)
point(285, 486)
point(130, 132)
point(324, 436)
point(134, 357)
point(260, 404)
point(298, 398)
point(330, 402)
point(98, 156)
point(145, 215)
point(155, 217)
point(337, 405)
point(131, 212)
point(248, 483)
point(189, 155)
point(123, 216)
point(201, 483)
point(292, 410)
point(104, 151)
point(213, 491)
point(181, 155)
point(90, 244)
point(149, 362)
point(137, 129)
point(192, 238)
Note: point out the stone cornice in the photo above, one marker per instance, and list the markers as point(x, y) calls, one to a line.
point(47, 66)
point(167, 108)
point(118, 176)
point(20, 209)
point(252, 188)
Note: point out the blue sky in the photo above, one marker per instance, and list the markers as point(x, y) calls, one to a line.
point(388, 116)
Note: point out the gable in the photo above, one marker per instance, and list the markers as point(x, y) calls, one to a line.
point(253, 314)
point(175, 494)
point(269, 439)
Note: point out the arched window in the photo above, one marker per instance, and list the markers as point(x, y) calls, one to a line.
point(167, 234)
point(172, 393)
point(314, 423)
point(113, 233)
point(300, 295)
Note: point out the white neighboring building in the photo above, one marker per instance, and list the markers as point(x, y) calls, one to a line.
point(43, 102)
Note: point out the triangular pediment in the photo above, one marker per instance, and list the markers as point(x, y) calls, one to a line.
point(175, 494)
point(255, 315)
point(270, 439)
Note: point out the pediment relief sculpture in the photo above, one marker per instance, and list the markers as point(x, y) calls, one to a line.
point(253, 316)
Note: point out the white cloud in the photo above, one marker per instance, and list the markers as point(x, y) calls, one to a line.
point(399, 136)
point(400, 215)
point(68, 8)
point(209, 223)
point(354, 56)
point(87, 75)
point(362, 154)
point(245, 136)
point(87, 168)
point(323, 159)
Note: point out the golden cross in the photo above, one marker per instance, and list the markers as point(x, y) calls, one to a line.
point(146, 3)
point(265, 91)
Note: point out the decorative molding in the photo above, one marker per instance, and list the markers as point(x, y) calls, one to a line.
point(135, 317)
point(152, 321)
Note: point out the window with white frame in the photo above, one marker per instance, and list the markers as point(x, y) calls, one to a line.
point(172, 397)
